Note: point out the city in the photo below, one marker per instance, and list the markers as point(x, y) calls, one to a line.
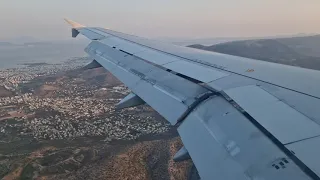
point(61, 108)
point(71, 110)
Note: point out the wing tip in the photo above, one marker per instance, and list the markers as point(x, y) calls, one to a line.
point(73, 23)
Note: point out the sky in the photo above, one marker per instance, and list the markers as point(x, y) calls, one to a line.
point(43, 19)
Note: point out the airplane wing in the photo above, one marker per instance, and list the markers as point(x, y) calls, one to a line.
point(238, 118)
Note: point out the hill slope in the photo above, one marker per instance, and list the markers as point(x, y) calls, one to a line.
point(308, 45)
point(296, 51)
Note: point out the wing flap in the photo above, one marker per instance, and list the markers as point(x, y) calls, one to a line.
point(274, 115)
point(223, 144)
point(162, 90)
point(304, 150)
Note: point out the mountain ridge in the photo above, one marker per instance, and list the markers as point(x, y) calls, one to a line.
point(296, 51)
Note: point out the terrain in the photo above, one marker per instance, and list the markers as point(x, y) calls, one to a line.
point(4, 92)
point(295, 51)
point(58, 121)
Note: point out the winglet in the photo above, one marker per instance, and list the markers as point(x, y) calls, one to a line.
point(74, 24)
point(75, 27)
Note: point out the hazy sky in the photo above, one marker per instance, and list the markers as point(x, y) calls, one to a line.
point(161, 18)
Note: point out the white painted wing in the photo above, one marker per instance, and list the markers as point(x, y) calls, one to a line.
point(238, 118)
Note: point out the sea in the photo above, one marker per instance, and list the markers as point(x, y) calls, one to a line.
point(16, 55)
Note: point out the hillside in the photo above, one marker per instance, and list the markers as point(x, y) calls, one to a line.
point(296, 51)
point(309, 45)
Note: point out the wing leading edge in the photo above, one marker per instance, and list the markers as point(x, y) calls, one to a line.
point(234, 123)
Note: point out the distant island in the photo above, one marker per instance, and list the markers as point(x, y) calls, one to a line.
point(6, 44)
point(34, 64)
point(295, 51)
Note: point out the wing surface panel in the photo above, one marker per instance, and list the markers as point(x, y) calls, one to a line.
point(282, 75)
point(212, 115)
point(304, 150)
point(228, 146)
point(277, 117)
point(91, 35)
point(203, 73)
point(163, 93)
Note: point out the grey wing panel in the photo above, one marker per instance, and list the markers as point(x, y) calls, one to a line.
point(277, 117)
point(199, 72)
point(289, 126)
point(162, 90)
point(293, 78)
point(303, 150)
point(163, 77)
point(91, 34)
point(225, 145)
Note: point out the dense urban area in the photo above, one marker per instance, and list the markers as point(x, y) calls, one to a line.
point(59, 121)
point(70, 110)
